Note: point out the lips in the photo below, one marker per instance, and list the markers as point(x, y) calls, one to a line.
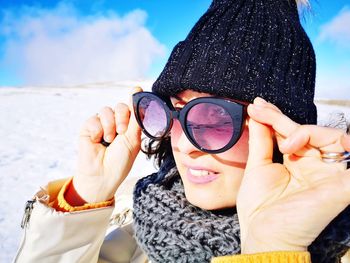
point(201, 175)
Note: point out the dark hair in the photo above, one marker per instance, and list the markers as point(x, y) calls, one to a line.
point(161, 151)
point(157, 149)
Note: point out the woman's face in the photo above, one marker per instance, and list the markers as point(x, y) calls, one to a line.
point(211, 181)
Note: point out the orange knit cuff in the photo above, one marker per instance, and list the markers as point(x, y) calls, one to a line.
point(62, 205)
point(271, 257)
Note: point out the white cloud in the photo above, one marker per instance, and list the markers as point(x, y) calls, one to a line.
point(60, 47)
point(337, 30)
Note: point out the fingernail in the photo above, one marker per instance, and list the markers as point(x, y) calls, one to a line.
point(109, 138)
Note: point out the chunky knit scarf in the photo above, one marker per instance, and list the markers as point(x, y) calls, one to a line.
point(169, 229)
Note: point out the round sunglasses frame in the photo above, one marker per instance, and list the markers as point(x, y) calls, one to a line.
point(237, 111)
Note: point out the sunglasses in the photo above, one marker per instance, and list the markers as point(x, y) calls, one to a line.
point(211, 124)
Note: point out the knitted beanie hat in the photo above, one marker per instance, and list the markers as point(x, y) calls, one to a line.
point(242, 49)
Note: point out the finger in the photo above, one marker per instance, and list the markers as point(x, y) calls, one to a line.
point(106, 116)
point(92, 129)
point(260, 145)
point(323, 138)
point(122, 115)
point(267, 115)
point(294, 142)
point(260, 101)
point(91, 150)
point(345, 142)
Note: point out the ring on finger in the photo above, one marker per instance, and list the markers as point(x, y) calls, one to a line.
point(335, 157)
point(104, 143)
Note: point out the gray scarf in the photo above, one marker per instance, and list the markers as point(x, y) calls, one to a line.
point(170, 229)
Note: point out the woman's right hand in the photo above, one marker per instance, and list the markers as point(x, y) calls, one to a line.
point(102, 169)
point(294, 201)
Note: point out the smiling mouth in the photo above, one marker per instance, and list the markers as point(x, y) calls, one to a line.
point(200, 173)
point(200, 176)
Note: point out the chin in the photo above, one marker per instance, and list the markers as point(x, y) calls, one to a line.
point(210, 201)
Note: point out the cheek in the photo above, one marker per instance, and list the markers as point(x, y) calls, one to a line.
point(220, 193)
point(239, 152)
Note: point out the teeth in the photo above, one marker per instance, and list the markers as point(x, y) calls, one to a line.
point(199, 172)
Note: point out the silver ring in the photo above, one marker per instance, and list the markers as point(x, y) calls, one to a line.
point(335, 157)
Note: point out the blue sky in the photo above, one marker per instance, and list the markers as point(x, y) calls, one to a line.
point(71, 42)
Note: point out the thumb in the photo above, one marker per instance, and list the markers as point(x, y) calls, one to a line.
point(260, 142)
point(134, 131)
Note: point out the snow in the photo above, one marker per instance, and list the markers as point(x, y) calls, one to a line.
point(38, 142)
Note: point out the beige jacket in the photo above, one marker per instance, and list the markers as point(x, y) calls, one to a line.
point(103, 235)
point(96, 235)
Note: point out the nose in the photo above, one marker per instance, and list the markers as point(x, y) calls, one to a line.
point(179, 139)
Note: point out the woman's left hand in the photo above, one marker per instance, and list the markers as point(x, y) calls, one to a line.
point(284, 207)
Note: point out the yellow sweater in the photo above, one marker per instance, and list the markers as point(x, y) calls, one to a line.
point(270, 257)
point(61, 204)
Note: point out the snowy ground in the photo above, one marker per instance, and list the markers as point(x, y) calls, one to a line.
point(38, 143)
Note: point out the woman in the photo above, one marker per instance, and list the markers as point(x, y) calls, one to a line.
point(218, 191)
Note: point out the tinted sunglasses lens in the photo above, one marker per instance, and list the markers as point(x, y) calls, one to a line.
point(210, 126)
point(153, 117)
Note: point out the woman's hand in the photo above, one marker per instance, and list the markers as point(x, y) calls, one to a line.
point(101, 169)
point(284, 207)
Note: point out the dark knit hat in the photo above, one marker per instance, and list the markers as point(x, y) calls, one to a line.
point(242, 49)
